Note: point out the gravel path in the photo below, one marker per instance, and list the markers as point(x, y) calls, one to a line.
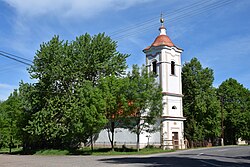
point(60, 161)
point(49, 161)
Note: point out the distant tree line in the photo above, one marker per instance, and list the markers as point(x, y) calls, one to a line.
point(80, 88)
point(214, 113)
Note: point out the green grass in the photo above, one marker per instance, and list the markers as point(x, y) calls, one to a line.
point(102, 151)
point(87, 151)
point(144, 151)
point(52, 152)
point(13, 150)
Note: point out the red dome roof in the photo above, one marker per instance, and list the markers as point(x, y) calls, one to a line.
point(161, 40)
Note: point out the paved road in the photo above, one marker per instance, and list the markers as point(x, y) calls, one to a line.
point(221, 156)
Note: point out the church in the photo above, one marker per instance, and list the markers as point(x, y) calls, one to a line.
point(163, 57)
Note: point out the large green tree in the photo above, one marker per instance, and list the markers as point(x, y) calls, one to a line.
point(235, 102)
point(133, 102)
point(62, 106)
point(114, 89)
point(145, 102)
point(200, 103)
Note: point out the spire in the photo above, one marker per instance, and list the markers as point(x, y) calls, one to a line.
point(162, 39)
point(162, 20)
point(162, 28)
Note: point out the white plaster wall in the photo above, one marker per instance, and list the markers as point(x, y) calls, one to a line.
point(174, 81)
point(175, 101)
point(154, 139)
point(165, 106)
point(170, 126)
point(124, 136)
point(121, 136)
point(173, 84)
point(169, 102)
point(177, 126)
point(155, 56)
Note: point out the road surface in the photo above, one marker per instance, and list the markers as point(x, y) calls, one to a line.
point(234, 156)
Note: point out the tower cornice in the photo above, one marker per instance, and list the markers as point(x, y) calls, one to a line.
point(156, 48)
point(172, 94)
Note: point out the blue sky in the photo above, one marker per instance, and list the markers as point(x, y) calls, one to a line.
point(217, 32)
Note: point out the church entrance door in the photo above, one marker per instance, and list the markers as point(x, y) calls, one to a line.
point(175, 139)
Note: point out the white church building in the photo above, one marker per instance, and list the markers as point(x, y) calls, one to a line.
point(164, 59)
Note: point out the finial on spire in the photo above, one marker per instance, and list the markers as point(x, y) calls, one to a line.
point(161, 19)
point(162, 28)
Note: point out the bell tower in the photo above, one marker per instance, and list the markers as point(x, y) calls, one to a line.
point(164, 59)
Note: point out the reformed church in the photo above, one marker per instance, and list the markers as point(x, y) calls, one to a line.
point(163, 58)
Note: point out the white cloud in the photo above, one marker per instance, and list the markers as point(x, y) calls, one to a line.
point(68, 9)
point(5, 90)
point(6, 86)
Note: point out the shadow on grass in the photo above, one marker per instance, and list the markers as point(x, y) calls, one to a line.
point(100, 151)
point(84, 151)
point(19, 152)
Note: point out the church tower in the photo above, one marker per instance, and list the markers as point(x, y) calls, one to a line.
point(164, 59)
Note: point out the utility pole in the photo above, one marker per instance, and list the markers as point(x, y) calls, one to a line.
point(222, 121)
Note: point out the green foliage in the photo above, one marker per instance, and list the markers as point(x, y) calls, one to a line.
point(86, 58)
point(88, 151)
point(235, 101)
point(133, 102)
point(200, 104)
point(64, 107)
point(52, 152)
point(145, 97)
point(10, 111)
point(114, 89)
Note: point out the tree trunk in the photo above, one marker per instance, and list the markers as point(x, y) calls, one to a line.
point(138, 135)
point(91, 142)
point(10, 145)
point(111, 130)
point(112, 135)
point(191, 144)
point(138, 142)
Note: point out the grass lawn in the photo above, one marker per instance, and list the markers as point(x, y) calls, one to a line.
point(87, 151)
point(102, 151)
point(144, 151)
point(13, 150)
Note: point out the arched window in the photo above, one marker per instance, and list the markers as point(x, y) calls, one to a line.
point(154, 63)
point(172, 68)
point(174, 107)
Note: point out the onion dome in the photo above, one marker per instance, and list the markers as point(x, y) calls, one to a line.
point(162, 39)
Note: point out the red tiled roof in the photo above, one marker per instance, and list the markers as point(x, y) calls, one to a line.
point(161, 40)
point(120, 111)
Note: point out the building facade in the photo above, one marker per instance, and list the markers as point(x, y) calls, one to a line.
point(164, 59)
